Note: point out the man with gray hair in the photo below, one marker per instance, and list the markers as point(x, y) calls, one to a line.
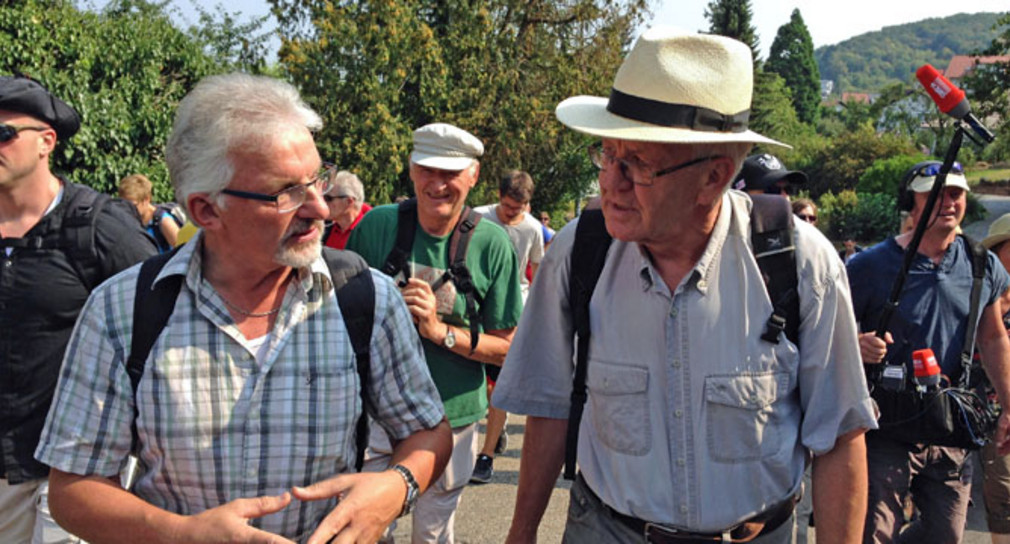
point(250, 390)
point(346, 201)
point(702, 406)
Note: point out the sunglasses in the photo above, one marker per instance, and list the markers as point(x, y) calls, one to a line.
point(933, 169)
point(809, 218)
point(9, 132)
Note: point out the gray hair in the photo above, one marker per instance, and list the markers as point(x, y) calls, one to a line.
point(346, 183)
point(224, 113)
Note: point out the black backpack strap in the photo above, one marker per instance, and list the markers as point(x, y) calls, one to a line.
point(352, 281)
point(459, 242)
point(406, 226)
point(77, 233)
point(772, 241)
point(979, 259)
point(152, 306)
point(589, 253)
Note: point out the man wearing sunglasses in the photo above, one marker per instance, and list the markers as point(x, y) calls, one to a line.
point(45, 279)
point(249, 395)
point(346, 202)
point(932, 312)
point(765, 173)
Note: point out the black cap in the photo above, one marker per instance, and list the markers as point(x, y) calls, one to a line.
point(762, 172)
point(23, 95)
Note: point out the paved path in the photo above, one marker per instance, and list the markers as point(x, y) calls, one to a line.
point(486, 510)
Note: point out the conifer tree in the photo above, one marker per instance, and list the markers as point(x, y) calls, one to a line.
point(792, 58)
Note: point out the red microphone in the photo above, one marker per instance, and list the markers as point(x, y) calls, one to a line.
point(927, 371)
point(950, 99)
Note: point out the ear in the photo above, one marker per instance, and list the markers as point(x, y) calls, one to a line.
point(720, 174)
point(46, 142)
point(203, 211)
point(476, 173)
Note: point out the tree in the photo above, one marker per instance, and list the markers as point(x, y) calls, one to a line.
point(732, 18)
point(841, 164)
point(792, 57)
point(124, 70)
point(989, 86)
point(377, 69)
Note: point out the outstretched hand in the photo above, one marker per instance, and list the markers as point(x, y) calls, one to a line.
point(230, 522)
point(369, 502)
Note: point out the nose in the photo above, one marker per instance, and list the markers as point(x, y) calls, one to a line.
point(314, 206)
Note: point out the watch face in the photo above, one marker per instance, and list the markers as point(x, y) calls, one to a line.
point(450, 339)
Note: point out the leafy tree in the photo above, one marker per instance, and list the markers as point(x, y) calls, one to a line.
point(377, 69)
point(840, 164)
point(885, 175)
point(989, 86)
point(792, 57)
point(732, 18)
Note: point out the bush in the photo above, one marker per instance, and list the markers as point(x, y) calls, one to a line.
point(885, 175)
point(865, 217)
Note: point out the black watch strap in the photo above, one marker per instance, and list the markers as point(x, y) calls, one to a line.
point(413, 490)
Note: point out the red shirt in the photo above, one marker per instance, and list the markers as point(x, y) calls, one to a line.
point(338, 237)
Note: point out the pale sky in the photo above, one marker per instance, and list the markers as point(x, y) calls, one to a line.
point(829, 21)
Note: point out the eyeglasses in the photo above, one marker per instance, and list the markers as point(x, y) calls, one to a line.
point(9, 132)
point(602, 159)
point(331, 198)
point(933, 168)
point(292, 198)
point(809, 218)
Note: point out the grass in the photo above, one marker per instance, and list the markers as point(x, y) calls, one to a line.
point(994, 174)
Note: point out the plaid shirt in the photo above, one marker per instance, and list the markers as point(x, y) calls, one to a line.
point(216, 424)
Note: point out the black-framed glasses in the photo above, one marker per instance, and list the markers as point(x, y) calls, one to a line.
point(603, 160)
point(9, 132)
point(292, 198)
point(933, 168)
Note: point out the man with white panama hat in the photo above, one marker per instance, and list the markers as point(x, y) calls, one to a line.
point(694, 426)
point(932, 312)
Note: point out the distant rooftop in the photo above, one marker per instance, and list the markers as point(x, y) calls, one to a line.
point(962, 64)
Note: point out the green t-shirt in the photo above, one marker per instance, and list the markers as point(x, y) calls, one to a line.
point(493, 268)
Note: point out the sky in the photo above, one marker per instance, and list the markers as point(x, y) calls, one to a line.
point(829, 21)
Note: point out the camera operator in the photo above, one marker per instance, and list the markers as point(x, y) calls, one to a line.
point(933, 312)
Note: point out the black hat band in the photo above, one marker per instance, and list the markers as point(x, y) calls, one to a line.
point(665, 114)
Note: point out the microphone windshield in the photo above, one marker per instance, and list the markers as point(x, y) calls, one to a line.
point(946, 95)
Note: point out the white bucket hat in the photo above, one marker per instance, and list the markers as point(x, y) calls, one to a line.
point(445, 147)
point(674, 87)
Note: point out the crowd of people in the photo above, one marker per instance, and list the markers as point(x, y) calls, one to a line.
point(291, 364)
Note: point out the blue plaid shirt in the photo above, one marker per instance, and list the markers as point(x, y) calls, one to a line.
point(216, 422)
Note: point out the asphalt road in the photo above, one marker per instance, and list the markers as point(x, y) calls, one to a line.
point(485, 511)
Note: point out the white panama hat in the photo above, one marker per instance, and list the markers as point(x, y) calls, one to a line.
point(674, 87)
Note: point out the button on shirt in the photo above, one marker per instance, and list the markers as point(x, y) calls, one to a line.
point(692, 420)
point(216, 423)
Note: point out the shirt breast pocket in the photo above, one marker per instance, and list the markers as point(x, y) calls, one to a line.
point(741, 424)
point(620, 406)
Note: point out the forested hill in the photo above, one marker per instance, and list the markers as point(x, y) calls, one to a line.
point(871, 61)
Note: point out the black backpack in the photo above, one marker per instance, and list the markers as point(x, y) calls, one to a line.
point(352, 281)
point(772, 243)
point(398, 260)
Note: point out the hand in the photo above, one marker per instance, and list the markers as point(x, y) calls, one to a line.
point(369, 502)
point(230, 522)
point(423, 308)
point(873, 349)
point(1001, 438)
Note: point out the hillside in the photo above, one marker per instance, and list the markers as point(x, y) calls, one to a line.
point(868, 62)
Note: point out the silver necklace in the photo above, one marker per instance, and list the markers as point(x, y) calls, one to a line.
point(245, 312)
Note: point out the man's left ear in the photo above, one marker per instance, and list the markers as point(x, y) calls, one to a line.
point(720, 174)
point(47, 142)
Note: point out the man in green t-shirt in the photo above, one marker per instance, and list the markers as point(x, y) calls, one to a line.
point(444, 167)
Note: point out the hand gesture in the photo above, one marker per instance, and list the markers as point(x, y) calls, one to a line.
point(423, 308)
point(230, 522)
point(369, 502)
point(873, 349)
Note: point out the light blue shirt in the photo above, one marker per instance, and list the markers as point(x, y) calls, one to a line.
point(692, 419)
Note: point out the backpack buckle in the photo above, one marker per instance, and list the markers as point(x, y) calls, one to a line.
point(776, 324)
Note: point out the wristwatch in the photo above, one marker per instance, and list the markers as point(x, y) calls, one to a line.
point(450, 338)
point(412, 490)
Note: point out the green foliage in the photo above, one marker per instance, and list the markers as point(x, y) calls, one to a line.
point(733, 18)
point(840, 164)
point(866, 217)
point(124, 70)
point(378, 69)
point(871, 61)
point(989, 88)
point(792, 57)
point(885, 175)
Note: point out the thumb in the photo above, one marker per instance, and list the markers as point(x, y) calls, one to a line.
point(888, 339)
point(331, 487)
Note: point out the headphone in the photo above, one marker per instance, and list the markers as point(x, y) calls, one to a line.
point(905, 196)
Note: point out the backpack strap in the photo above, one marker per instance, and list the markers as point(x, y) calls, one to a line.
point(152, 306)
point(398, 259)
point(589, 253)
point(774, 249)
point(459, 274)
point(352, 281)
point(979, 259)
